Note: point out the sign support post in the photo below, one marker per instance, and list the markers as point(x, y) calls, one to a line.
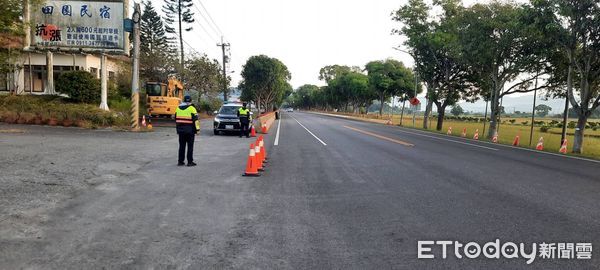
point(103, 84)
point(50, 74)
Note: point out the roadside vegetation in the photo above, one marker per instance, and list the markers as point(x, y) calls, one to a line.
point(548, 128)
point(60, 111)
point(484, 51)
point(265, 82)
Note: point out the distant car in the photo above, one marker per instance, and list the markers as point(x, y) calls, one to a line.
point(289, 109)
point(226, 119)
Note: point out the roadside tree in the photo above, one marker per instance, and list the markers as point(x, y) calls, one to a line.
point(434, 41)
point(156, 59)
point(203, 75)
point(264, 81)
point(575, 27)
point(178, 12)
point(542, 110)
point(457, 110)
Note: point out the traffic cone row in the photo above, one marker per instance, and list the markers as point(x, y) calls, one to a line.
point(516, 142)
point(257, 157)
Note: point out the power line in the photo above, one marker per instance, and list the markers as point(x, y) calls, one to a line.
point(190, 47)
point(206, 42)
point(201, 26)
point(211, 19)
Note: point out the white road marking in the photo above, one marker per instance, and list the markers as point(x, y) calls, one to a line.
point(309, 131)
point(545, 152)
point(278, 127)
point(489, 143)
point(448, 140)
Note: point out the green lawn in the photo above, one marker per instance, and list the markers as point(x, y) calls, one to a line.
point(507, 133)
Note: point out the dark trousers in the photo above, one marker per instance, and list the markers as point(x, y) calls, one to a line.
point(189, 140)
point(244, 127)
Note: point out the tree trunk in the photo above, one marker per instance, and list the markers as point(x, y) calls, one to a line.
point(258, 105)
point(180, 33)
point(494, 112)
point(381, 98)
point(579, 131)
point(402, 112)
point(440, 117)
point(427, 113)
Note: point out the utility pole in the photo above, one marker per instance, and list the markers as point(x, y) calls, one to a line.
point(416, 87)
point(223, 45)
point(533, 108)
point(135, 79)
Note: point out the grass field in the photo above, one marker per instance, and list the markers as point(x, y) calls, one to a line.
point(507, 132)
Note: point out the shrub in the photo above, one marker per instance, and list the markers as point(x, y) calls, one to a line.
point(545, 128)
point(120, 104)
point(525, 123)
point(209, 105)
point(54, 110)
point(572, 124)
point(512, 121)
point(80, 86)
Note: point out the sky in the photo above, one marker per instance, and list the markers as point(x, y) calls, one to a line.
point(304, 35)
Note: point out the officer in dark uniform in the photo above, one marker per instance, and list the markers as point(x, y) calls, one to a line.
point(244, 115)
point(185, 121)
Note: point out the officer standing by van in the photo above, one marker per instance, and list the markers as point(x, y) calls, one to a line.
point(185, 122)
point(244, 115)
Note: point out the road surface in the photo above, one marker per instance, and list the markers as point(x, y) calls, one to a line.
point(336, 194)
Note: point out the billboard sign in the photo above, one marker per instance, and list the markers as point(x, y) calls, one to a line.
point(74, 25)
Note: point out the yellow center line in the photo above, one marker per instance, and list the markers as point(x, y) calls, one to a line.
point(380, 136)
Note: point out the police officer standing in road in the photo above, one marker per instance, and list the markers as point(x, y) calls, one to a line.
point(244, 116)
point(185, 121)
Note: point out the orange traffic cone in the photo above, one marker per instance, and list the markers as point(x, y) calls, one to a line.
point(143, 121)
point(449, 131)
point(251, 165)
point(476, 136)
point(495, 138)
point(259, 159)
point(263, 151)
point(260, 155)
point(540, 144)
point(264, 129)
point(464, 133)
point(516, 141)
point(563, 147)
point(252, 131)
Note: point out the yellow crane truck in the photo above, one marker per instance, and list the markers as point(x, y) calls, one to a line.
point(163, 99)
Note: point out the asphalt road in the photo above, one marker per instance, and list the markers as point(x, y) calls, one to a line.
point(336, 194)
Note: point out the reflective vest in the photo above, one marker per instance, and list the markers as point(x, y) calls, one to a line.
point(184, 117)
point(244, 112)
